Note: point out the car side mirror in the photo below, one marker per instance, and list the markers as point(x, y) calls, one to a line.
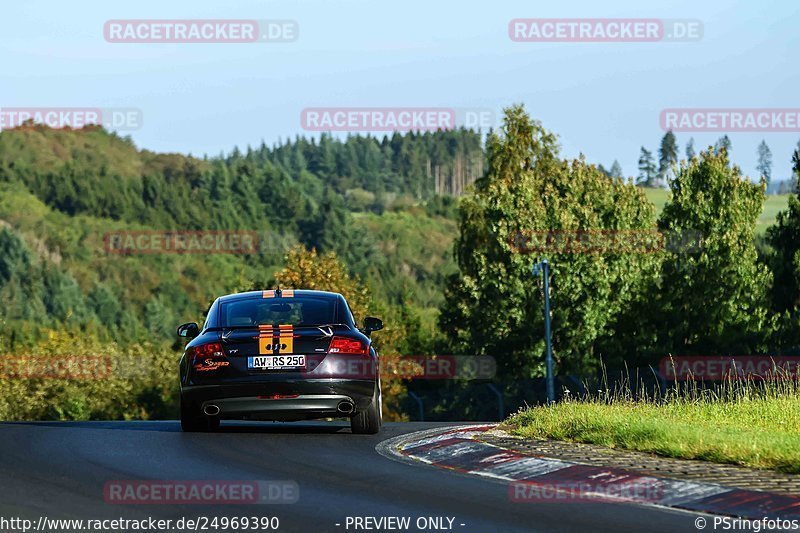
point(190, 330)
point(372, 324)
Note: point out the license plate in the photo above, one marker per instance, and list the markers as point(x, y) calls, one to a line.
point(276, 362)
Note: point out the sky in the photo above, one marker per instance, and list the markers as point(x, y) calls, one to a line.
point(602, 99)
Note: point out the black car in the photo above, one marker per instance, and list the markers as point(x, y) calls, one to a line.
point(280, 355)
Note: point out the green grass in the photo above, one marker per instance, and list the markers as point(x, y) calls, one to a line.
point(658, 196)
point(773, 204)
point(744, 425)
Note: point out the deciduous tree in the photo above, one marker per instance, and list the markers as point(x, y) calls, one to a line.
point(493, 305)
point(712, 299)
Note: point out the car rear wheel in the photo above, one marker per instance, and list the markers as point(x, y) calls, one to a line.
point(368, 421)
point(192, 420)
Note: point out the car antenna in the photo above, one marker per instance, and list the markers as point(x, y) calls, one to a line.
point(278, 292)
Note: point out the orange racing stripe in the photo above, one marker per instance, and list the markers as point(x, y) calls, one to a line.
point(286, 338)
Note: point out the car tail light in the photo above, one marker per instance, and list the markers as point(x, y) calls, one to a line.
point(211, 349)
point(343, 345)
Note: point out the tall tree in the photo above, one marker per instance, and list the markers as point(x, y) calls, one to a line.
point(724, 144)
point(690, 153)
point(105, 305)
point(713, 300)
point(62, 297)
point(493, 306)
point(326, 229)
point(616, 170)
point(764, 166)
point(667, 156)
point(784, 237)
point(647, 168)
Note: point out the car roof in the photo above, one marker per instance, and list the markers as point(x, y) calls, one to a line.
point(259, 294)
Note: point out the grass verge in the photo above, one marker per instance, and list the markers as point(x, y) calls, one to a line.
point(772, 205)
point(749, 424)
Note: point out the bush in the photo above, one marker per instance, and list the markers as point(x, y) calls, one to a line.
point(69, 376)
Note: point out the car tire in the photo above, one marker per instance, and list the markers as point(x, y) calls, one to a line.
point(192, 421)
point(368, 421)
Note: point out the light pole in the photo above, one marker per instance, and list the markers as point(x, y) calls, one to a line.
point(544, 267)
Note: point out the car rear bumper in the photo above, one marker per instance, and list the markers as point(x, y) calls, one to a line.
point(299, 408)
point(286, 400)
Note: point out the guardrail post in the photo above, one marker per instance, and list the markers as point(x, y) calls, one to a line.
point(500, 404)
point(544, 267)
point(419, 404)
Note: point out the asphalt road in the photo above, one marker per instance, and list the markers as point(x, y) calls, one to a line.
point(59, 470)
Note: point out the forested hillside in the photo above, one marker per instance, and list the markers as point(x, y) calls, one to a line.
point(373, 201)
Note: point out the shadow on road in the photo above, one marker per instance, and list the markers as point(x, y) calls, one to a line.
point(173, 426)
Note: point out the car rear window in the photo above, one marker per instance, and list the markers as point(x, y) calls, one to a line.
point(299, 311)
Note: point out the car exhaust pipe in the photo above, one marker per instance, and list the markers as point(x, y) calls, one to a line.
point(346, 407)
point(211, 410)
